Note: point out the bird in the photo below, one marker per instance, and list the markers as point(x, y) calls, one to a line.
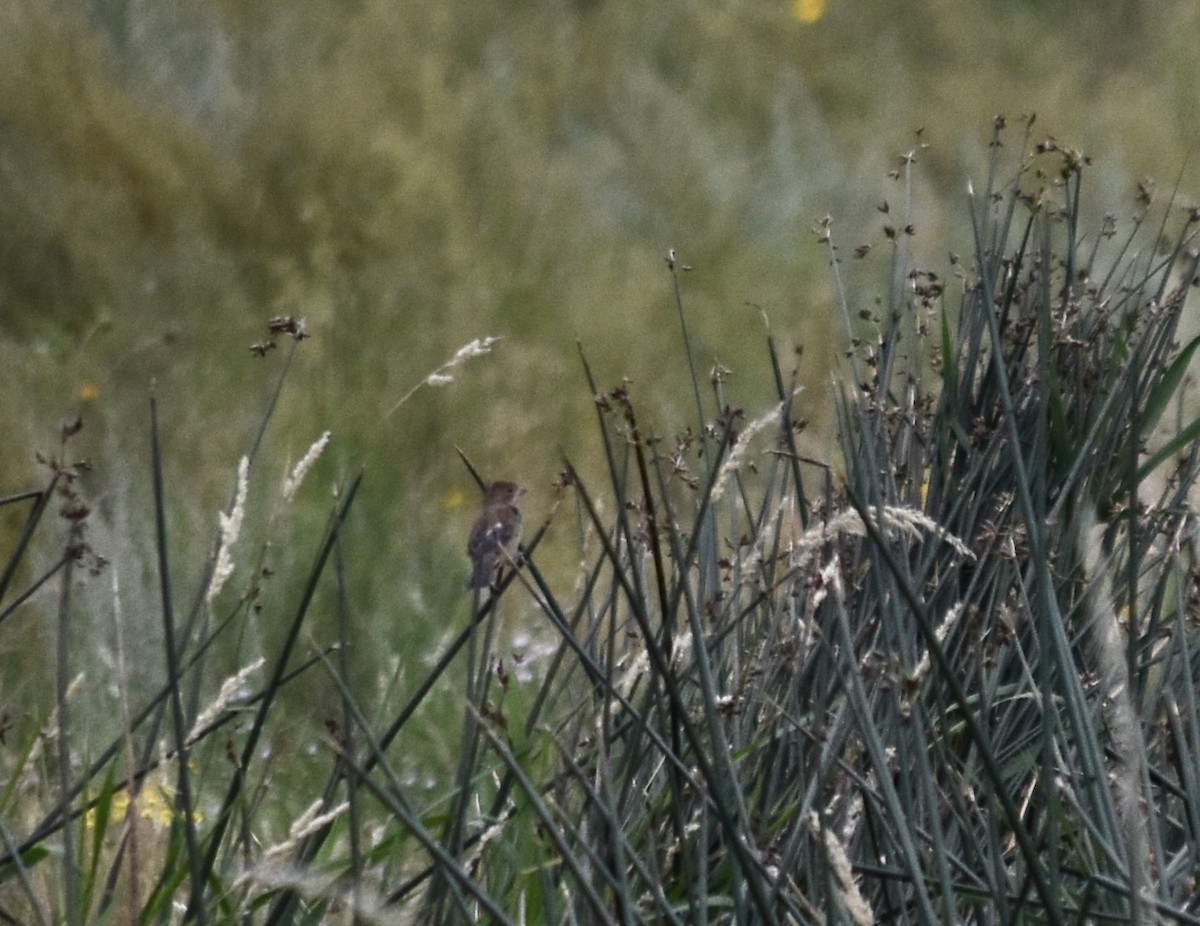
point(496, 533)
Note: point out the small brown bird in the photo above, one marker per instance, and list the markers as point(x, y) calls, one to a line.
point(495, 534)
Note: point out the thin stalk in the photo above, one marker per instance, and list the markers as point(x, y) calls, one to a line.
point(70, 873)
point(175, 699)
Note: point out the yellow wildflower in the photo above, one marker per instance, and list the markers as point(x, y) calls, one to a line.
point(809, 11)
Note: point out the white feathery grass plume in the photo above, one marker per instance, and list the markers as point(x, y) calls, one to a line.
point(805, 548)
point(476, 348)
point(292, 483)
point(482, 844)
point(444, 374)
point(231, 526)
point(1129, 774)
point(232, 689)
point(913, 520)
point(940, 634)
point(830, 573)
point(734, 459)
point(910, 521)
point(839, 860)
point(308, 822)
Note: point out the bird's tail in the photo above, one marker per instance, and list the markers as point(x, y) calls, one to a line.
point(481, 574)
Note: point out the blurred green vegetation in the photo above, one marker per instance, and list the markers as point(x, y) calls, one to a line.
point(408, 177)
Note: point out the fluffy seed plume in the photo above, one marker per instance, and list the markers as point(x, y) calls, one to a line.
point(233, 689)
point(444, 374)
point(902, 520)
point(839, 860)
point(292, 483)
point(940, 633)
point(231, 526)
point(308, 822)
point(734, 460)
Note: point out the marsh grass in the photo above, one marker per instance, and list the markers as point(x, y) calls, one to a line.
point(946, 673)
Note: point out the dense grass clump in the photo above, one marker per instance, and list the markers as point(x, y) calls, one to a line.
point(946, 673)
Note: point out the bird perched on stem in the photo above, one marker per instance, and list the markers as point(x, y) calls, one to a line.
point(496, 533)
